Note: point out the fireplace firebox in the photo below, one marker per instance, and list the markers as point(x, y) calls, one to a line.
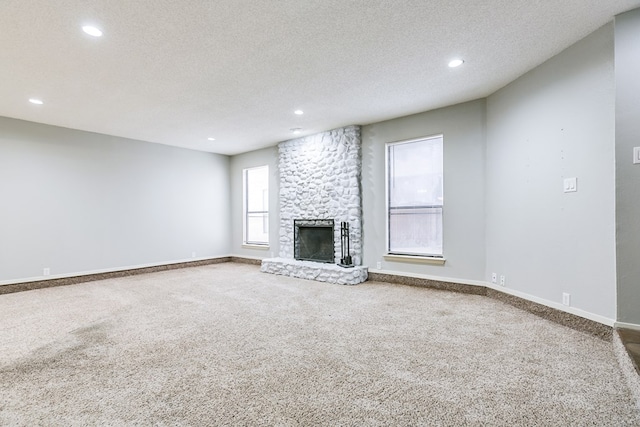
point(313, 240)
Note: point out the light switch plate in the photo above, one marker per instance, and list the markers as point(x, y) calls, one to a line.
point(570, 185)
point(636, 155)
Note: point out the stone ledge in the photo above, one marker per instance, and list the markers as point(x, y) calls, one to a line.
point(242, 260)
point(569, 320)
point(428, 283)
point(321, 272)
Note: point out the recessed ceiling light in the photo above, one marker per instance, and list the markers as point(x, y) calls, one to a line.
point(456, 63)
point(92, 31)
point(298, 112)
point(36, 101)
point(296, 131)
point(211, 139)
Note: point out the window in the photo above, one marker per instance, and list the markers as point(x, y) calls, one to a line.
point(256, 206)
point(415, 196)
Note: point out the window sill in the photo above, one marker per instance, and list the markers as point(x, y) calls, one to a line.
point(253, 246)
point(415, 259)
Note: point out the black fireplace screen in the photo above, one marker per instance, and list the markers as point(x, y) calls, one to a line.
point(313, 240)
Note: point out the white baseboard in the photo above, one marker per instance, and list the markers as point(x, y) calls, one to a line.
point(428, 277)
point(105, 270)
point(555, 305)
point(256, 258)
point(552, 304)
point(624, 325)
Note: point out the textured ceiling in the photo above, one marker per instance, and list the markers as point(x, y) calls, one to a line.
point(179, 71)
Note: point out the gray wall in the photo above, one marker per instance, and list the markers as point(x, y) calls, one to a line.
point(267, 156)
point(627, 53)
point(76, 202)
point(556, 121)
point(464, 207)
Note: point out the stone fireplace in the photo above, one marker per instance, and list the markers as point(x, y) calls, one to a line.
point(320, 178)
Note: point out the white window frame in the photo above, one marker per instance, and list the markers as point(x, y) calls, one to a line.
point(433, 258)
point(245, 211)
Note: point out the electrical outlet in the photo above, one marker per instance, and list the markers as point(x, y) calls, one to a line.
point(379, 265)
point(193, 254)
point(46, 271)
point(570, 185)
point(494, 278)
point(502, 280)
point(566, 298)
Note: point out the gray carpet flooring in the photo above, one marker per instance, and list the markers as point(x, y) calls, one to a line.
point(227, 345)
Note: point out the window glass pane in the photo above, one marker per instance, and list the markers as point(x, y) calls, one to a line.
point(415, 191)
point(256, 205)
point(258, 227)
point(258, 189)
point(416, 178)
point(415, 231)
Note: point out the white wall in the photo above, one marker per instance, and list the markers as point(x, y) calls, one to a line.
point(269, 157)
point(627, 53)
point(464, 211)
point(556, 121)
point(77, 202)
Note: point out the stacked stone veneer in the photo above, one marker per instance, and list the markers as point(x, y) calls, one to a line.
point(320, 179)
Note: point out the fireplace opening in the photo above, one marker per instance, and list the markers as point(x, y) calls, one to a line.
point(313, 240)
